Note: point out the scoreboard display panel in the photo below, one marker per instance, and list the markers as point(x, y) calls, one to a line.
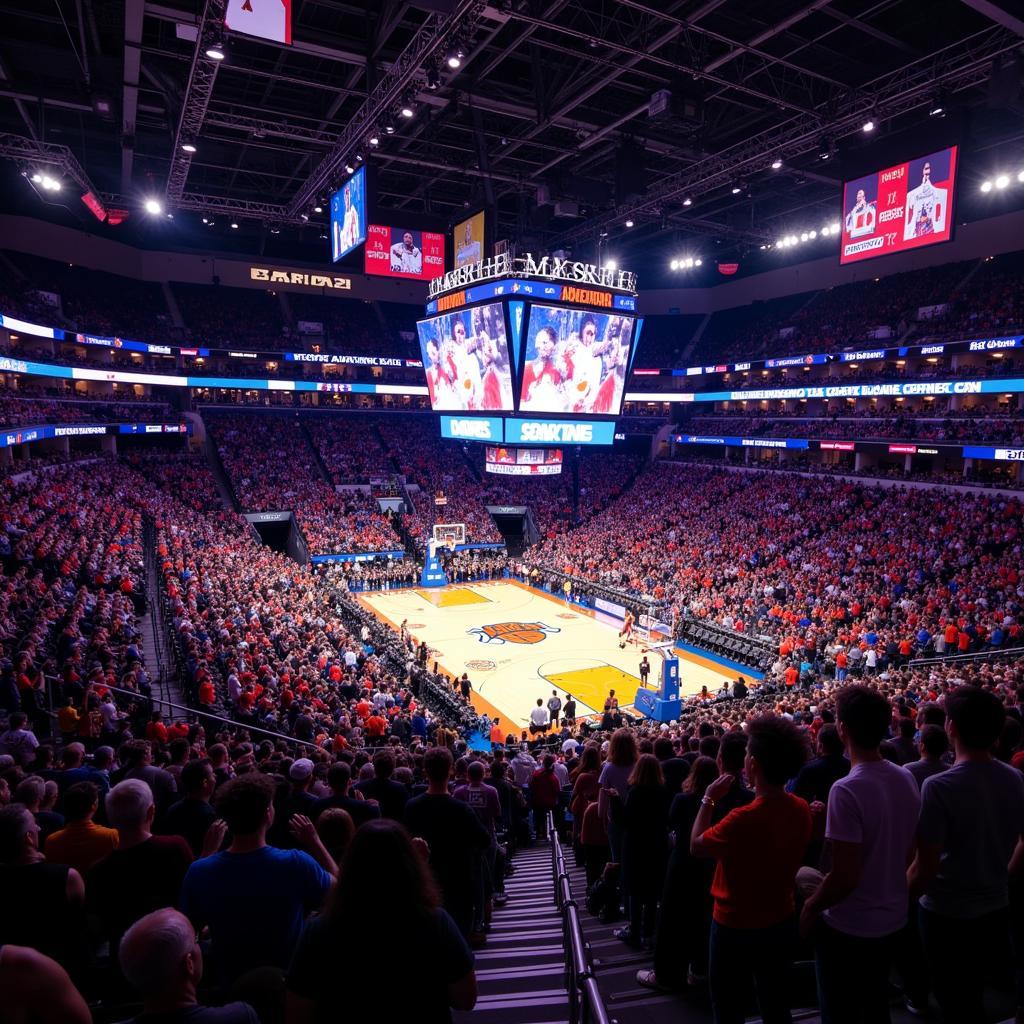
point(906, 206)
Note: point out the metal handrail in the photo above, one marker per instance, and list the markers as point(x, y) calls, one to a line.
point(586, 1005)
point(960, 659)
point(216, 718)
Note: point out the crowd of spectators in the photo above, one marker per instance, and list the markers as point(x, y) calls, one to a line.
point(350, 448)
point(271, 467)
point(18, 410)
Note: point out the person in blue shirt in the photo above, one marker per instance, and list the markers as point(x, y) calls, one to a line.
point(253, 897)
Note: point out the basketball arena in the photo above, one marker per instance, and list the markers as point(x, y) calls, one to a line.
point(511, 512)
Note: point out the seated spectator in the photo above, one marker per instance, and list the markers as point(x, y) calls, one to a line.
point(439, 977)
point(144, 873)
point(161, 959)
point(758, 848)
point(253, 897)
point(81, 842)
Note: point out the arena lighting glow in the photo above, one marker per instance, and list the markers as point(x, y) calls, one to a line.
point(868, 126)
point(234, 225)
point(674, 265)
point(215, 52)
point(406, 110)
point(154, 207)
point(373, 140)
point(1002, 181)
point(188, 147)
point(611, 265)
point(736, 190)
point(629, 223)
point(687, 202)
point(986, 186)
point(318, 208)
point(776, 164)
point(349, 169)
point(1020, 176)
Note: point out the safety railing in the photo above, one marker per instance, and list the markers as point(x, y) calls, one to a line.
point(585, 1003)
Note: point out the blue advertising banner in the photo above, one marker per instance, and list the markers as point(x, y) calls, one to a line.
point(530, 431)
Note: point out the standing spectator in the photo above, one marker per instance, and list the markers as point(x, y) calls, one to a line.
point(932, 746)
point(32, 792)
point(569, 711)
point(972, 822)
point(192, 815)
point(758, 848)
point(339, 778)
point(545, 792)
point(615, 775)
point(860, 906)
point(38, 989)
point(454, 837)
point(42, 903)
point(144, 873)
point(437, 979)
point(19, 741)
point(81, 842)
point(391, 796)
point(218, 891)
point(161, 959)
point(554, 707)
point(643, 818)
point(138, 763)
point(816, 778)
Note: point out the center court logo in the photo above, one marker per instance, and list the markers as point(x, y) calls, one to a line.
point(513, 632)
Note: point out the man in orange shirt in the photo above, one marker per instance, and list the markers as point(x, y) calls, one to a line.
point(792, 674)
point(81, 843)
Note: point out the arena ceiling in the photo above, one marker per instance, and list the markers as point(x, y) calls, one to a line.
point(546, 121)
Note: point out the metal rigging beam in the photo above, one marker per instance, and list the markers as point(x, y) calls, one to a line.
point(202, 75)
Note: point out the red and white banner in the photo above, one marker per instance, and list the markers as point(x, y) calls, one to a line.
point(265, 19)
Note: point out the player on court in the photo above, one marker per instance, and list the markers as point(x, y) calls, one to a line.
point(626, 633)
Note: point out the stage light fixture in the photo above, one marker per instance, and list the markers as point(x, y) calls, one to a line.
point(374, 140)
point(986, 186)
point(1001, 182)
point(611, 265)
point(698, 263)
point(304, 217)
point(736, 190)
point(407, 110)
point(674, 265)
point(215, 51)
point(234, 225)
point(776, 164)
point(629, 223)
point(834, 227)
point(349, 169)
point(153, 206)
point(318, 209)
point(687, 202)
point(188, 147)
point(868, 126)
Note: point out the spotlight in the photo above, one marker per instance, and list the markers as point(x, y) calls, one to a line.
point(206, 220)
point(215, 51)
point(986, 186)
point(611, 265)
point(736, 190)
point(812, 234)
point(349, 169)
point(304, 216)
point(803, 237)
point(780, 244)
point(275, 231)
point(824, 231)
point(776, 164)
point(937, 110)
point(1001, 182)
point(374, 139)
point(433, 78)
point(359, 158)
point(868, 126)
point(674, 265)
point(629, 223)
point(1020, 176)
point(389, 128)
point(153, 206)
point(318, 209)
point(406, 110)
point(687, 202)
point(762, 246)
point(170, 216)
point(455, 57)
point(37, 178)
point(188, 147)
point(698, 263)
point(234, 225)
point(50, 184)
point(834, 227)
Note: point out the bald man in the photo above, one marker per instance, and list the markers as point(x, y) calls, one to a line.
point(160, 958)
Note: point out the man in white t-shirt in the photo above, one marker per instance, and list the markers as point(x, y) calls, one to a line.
point(539, 718)
point(406, 256)
point(861, 905)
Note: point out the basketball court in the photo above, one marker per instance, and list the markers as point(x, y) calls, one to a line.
point(518, 644)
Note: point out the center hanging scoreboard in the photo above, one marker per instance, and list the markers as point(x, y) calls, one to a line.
point(515, 357)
